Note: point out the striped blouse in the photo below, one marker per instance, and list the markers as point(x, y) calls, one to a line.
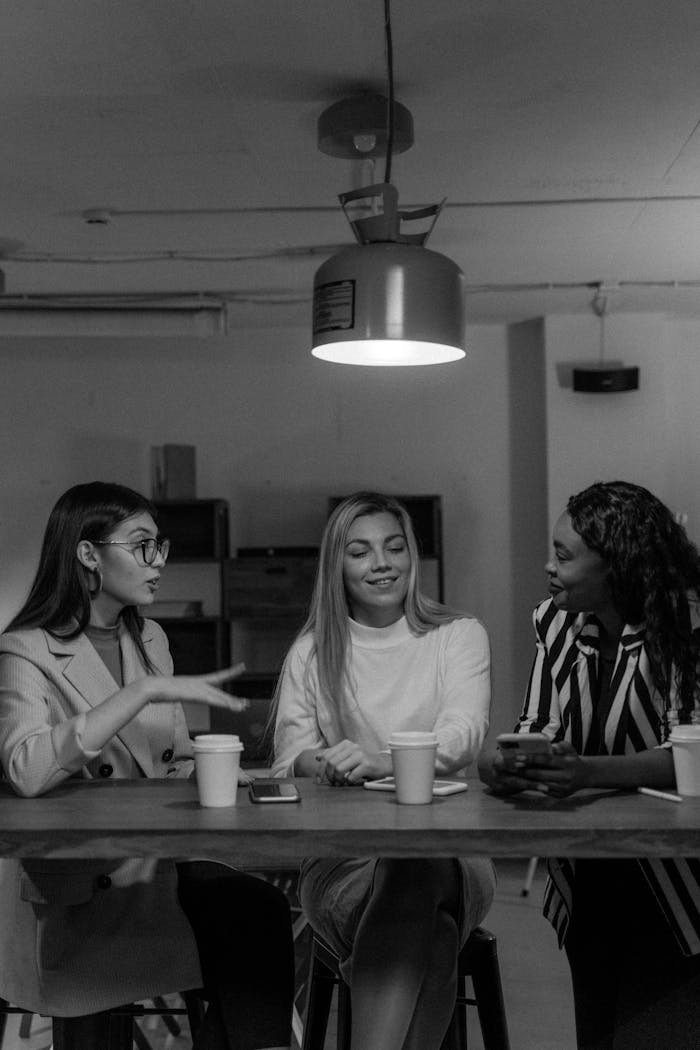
point(560, 703)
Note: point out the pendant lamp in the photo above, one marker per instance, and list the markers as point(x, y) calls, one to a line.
point(388, 300)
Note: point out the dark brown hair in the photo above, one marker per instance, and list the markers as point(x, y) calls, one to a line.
point(59, 598)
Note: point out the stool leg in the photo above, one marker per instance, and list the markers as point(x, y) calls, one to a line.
point(168, 1020)
point(73, 1033)
point(140, 1039)
point(195, 1011)
point(318, 1006)
point(488, 993)
point(102, 1031)
point(529, 877)
point(25, 1026)
point(344, 1030)
point(121, 1032)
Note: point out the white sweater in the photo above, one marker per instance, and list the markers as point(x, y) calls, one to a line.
point(436, 681)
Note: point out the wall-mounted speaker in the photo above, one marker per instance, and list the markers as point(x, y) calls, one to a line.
point(605, 380)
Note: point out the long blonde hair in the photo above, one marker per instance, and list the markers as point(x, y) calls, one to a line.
point(329, 612)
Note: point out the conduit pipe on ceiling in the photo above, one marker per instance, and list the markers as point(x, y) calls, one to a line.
point(217, 299)
point(543, 202)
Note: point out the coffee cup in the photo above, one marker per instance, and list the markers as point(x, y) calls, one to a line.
point(685, 744)
point(217, 758)
point(413, 760)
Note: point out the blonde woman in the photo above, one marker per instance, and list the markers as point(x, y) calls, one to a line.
point(377, 656)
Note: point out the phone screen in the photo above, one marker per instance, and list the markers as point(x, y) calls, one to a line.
point(524, 743)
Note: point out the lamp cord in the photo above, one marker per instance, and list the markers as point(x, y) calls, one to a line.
point(600, 306)
point(390, 92)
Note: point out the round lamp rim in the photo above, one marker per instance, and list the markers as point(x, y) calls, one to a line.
point(393, 353)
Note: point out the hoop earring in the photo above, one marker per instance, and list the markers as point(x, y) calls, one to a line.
point(94, 589)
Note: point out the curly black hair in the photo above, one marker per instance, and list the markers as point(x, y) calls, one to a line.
point(652, 569)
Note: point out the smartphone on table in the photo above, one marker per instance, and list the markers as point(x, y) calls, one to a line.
point(272, 790)
point(528, 745)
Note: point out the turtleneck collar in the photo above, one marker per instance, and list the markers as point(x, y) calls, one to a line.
point(379, 637)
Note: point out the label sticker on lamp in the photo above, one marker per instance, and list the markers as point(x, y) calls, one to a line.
point(334, 306)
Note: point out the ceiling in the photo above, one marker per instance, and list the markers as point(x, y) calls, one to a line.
point(564, 135)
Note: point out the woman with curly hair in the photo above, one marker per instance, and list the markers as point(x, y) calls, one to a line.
point(374, 657)
point(616, 667)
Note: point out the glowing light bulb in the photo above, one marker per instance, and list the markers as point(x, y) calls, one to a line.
point(364, 143)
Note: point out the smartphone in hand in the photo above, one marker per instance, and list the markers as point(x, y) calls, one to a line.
point(527, 745)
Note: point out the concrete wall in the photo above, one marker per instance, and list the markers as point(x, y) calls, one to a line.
point(650, 436)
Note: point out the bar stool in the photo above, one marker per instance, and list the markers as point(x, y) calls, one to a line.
point(529, 877)
point(25, 1023)
point(113, 1029)
point(477, 960)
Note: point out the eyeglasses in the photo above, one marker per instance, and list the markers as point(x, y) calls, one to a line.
point(148, 550)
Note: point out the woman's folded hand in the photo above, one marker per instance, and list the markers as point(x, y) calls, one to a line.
point(347, 763)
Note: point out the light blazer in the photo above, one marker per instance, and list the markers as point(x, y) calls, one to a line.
point(80, 936)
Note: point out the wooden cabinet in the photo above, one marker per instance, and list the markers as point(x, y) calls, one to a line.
point(271, 583)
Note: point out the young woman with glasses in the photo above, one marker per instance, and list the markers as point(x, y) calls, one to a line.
point(87, 691)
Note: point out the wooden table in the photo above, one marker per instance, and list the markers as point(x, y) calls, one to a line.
point(163, 818)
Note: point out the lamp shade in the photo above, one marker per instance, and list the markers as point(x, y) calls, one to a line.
point(388, 303)
point(343, 126)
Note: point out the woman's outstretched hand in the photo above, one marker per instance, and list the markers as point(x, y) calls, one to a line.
point(346, 763)
point(198, 689)
point(103, 721)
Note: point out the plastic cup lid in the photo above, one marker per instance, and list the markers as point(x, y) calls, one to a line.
point(412, 739)
point(217, 742)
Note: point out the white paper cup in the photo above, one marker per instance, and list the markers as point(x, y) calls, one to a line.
point(217, 758)
point(685, 744)
point(413, 759)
